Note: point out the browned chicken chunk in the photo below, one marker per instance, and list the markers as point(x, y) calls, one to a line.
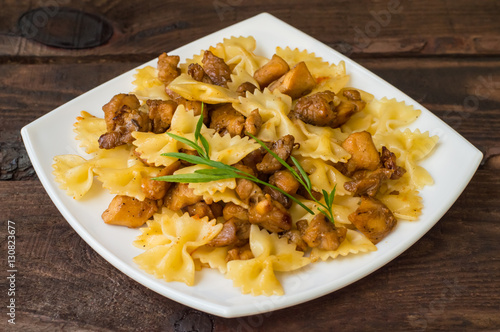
point(200, 210)
point(373, 219)
point(367, 182)
point(269, 214)
point(215, 67)
point(388, 161)
point(246, 188)
point(253, 123)
point(350, 103)
point(271, 71)
point(321, 233)
point(196, 71)
point(157, 189)
point(180, 196)
point(296, 83)
point(239, 253)
point(167, 68)
point(283, 148)
point(160, 113)
point(128, 211)
point(232, 210)
point(364, 154)
point(227, 235)
point(122, 117)
point(253, 158)
point(317, 109)
point(244, 87)
point(226, 120)
point(114, 106)
point(190, 105)
point(295, 237)
point(285, 181)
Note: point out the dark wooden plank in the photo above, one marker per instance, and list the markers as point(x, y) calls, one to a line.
point(450, 278)
point(392, 27)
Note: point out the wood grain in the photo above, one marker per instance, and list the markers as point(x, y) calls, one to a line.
point(444, 54)
point(403, 27)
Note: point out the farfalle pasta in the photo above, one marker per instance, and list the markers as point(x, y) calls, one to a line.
point(248, 165)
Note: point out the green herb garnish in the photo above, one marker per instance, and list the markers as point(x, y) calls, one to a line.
point(221, 171)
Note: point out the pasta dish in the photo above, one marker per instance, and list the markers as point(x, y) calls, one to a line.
point(249, 165)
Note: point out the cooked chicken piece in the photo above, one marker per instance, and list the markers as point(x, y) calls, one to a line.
point(110, 140)
point(124, 121)
point(242, 231)
point(239, 253)
point(388, 161)
point(367, 182)
point(278, 196)
point(295, 237)
point(296, 83)
point(180, 196)
point(226, 120)
point(253, 123)
point(167, 68)
point(373, 219)
point(217, 208)
point(269, 214)
point(157, 189)
point(327, 109)
point(244, 87)
point(317, 109)
point(160, 113)
point(200, 210)
point(114, 107)
point(194, 105)
point(364, 154)
point(253, 158)
point(215, 67)
point(122, 118)
point(283, 148)
point(196, 71)
point(350, 103)
point(226, 237)
point(271, 71)
point(232, 210)
point(322, 234)
point(285, 180)
point(246, 188)
point(128, 211)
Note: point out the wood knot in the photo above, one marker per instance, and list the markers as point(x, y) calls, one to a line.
point(65, 27)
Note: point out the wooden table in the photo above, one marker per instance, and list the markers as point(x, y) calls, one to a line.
point(444, 54)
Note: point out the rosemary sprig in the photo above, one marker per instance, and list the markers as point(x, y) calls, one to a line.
point(303, 179)
point(221, 171)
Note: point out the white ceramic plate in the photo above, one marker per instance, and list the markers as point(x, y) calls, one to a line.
point(451, 165)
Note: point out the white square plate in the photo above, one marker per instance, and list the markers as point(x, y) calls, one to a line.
point(451, 165)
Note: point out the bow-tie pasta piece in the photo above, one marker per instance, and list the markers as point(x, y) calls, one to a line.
point(172, 261)
point(256, 275)
point(147, 84)
point(88, 129)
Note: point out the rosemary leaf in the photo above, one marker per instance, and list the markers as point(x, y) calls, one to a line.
point(192, 178)
point(302, 172)
point(187, 142)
